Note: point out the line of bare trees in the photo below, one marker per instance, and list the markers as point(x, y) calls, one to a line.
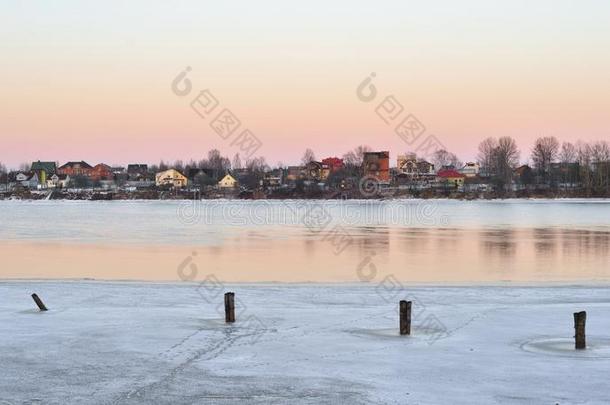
point(582, 165)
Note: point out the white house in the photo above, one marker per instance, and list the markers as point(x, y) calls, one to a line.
point(58, 181)
point(470, 169)
point(27, 179)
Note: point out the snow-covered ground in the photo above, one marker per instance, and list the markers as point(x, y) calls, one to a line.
point(145, 343)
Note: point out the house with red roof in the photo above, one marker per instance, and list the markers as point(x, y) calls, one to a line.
point(450, 178)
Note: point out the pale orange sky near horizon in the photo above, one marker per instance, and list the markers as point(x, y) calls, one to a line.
point(92, 82)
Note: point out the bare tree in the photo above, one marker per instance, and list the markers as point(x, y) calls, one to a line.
point(257, 165)
point(568, 153)
point(441, 158)
point(219, 164)
point(236, 162)
point(584, 157)
point(354, 158)
point(179, 165)
point(600, 159)
point(190, 165)
point(2, 168)
point(545, 152)
point(567, 157)
point(506, 158)
point(308, 157)
point(486, 155)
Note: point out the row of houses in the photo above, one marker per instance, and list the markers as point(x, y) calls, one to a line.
point(410, 172)
point(47, 175)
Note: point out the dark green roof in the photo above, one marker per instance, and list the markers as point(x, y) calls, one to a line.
point(48, 167)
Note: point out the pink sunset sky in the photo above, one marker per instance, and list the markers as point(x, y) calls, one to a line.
point(93, 81)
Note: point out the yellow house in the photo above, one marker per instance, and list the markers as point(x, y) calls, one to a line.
point(172, 177)
point(451, 177)
point(227, 182)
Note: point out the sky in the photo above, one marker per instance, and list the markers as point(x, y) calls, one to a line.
point(93, 80)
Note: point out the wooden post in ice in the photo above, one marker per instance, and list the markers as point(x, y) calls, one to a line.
point(229, 307)
point(405, 317)
point(579, 329)
point(39, 302)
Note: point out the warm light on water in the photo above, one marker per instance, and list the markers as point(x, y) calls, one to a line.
point(422, 241)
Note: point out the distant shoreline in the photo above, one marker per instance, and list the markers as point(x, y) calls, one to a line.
point(192, 195)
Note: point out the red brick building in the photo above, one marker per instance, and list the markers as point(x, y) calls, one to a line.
point(101, 172)
point(333, 163)
point(74, 169)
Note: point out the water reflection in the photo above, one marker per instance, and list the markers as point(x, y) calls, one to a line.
point(498, 242)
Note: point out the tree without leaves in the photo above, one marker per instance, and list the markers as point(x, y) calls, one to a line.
point(354, 158)
point(179, 165)
point(257, 165)
point(308, 157)
point(545, 152)
point(583, 157)
point(236, 162)
point(441, 158)
point(567, 157)
point(219, 164)
point(600, 159)
point(507, 159)
point(486, 155)
point(568, 153)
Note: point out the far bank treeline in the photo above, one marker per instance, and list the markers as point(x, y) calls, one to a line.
point(551, 169)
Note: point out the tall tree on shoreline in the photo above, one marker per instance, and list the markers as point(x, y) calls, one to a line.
point(507, 159)
point(545, 152)
point(486, 154)
point(600, 159)
point(499, 158)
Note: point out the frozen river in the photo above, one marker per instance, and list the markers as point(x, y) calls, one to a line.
point(142, 343)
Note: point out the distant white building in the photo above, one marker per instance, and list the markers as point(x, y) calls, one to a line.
point(27, 179)
point(58, 181)
point(470, 169)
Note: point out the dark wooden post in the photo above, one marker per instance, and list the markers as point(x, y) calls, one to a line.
point(405, 317)
point(39, 302)
point(579, 329)
point(229, 307)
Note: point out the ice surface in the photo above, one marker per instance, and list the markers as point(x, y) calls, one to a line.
point(146, 343)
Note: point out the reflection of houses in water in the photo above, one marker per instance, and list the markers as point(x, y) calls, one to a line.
point(545, 240)
point(498, 242)
point(583, 242)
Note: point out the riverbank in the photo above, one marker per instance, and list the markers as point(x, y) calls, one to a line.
point(106, 195)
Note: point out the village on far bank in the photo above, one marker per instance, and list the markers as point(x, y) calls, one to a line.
point(361, 173)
